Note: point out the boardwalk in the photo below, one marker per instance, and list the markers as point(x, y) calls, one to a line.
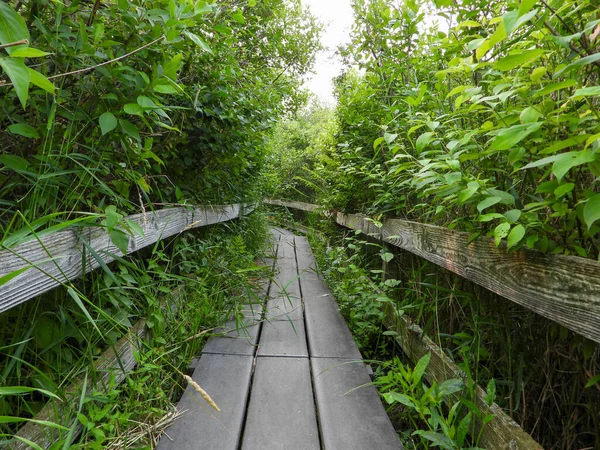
point(290, 377)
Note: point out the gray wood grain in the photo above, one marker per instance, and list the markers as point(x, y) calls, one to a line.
point(290, 204)
point(351, 415)
point(281, 412)
point(57, 258)
point(226, 378)
point(234, 338)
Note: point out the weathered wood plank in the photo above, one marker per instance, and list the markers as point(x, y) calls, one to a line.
point(226, 378)
point(290, 204)
point(236, 340)
point(57, 258)
point(502, 433)
point(351, 415)
point(561, 288)
point(564, 289)
point(283, 338)
point(281, 413)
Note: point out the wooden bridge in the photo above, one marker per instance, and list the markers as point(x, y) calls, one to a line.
point(289, 376)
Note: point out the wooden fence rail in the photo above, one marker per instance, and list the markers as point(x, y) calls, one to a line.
point(565, 289)
point(57, 258)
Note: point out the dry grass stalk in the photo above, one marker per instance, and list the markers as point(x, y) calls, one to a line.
point(201, 391)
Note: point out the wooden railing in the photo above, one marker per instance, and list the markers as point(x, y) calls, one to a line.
point(565, 289)
point(57, 258)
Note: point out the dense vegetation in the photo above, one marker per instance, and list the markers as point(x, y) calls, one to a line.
point(487, 124)
point(109, 108)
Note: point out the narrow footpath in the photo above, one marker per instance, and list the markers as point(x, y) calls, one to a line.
point(289, 377)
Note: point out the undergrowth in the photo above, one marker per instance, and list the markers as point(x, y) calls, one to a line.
point(183, 288)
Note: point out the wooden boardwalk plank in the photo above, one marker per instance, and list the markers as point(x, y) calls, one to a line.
point(283, 338)
point(284, 309)
point(240, 341)
point(281, 412)
point(351, 415)
point(226, 378)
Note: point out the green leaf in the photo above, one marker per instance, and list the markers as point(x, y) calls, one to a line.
point(500, 232)
point(555, 87)
point(28, 52)
point(386, 256)
point(134, 109)
point(23, 129)
point(396, 397)
point(563, 189)
point(537, 74)
point(586, 92)
point(420, 368)
point(508, 137)
point(465, 194)
point(592, 381)
point(591, 211)
point(515, 236)
point(438, 439)
point(512, 215)
point(15, 273)
point(223, 30)
point(77, 299)
point(16, 390)
point(12, 27)
point(450, 387)
point(529, 115)
point(513, 61)
point(14, 162)
point(120, 239)
point(108, 122)
point(198, 41)
point(423, 140)
point(130, 129)
point(526, 6)
point(487, 202)
point(40, 81)
point(541, 162)
point(566, 161)
point(19, 76)
point(579, 63)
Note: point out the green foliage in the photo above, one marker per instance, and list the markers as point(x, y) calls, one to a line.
point(490, 127)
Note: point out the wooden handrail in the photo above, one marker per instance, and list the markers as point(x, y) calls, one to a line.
point(564, 289)
point(55, 259)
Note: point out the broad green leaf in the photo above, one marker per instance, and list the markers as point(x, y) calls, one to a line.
point(586, 92)
point(567, 161)
point(28, 52)
point(591, 211)
point(513, 61)
point(450, 387)
point(198, 41)
point(438, 439)
point(12, 27)
point(500, 232)
point(23, 129)
point(563, 189)
point(223, 29)
point(387, 256)
point(526, 6)
point(579, 63)
point(108, 122)
point(515, 236)
point(130, 129)
point(146, 102)
point(505, 197)
point(512, 215)
point(172, 66)
point(396, 397)
point(487, 202)
point(569, 142)
point(165, 89)
point(508, 137)
point(14, 162)
point(133, 109)
point(423, 140)
point(239, 17)
point(389, 138)
point(19, 76)
point(465, 194)
point(40, 80)
point(529, 115)
point(489, 217)
point(467, 24)
point(377, 142)
point(537, 74)
point(555, 87)
point(120, 239)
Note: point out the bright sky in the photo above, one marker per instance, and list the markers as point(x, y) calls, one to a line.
point(337, 16)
